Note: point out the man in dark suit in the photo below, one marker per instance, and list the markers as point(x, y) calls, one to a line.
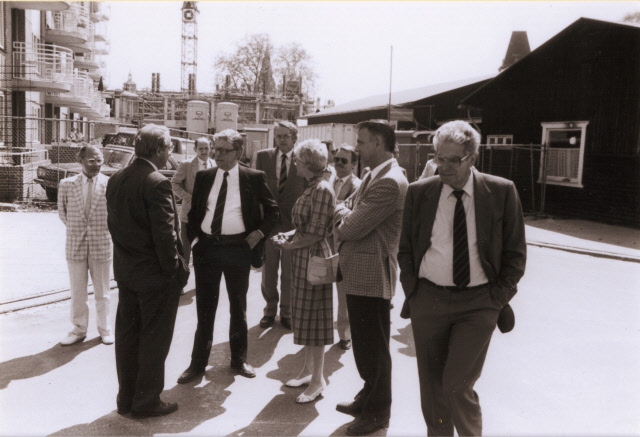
point(286, 185)
point(228, 230)
point(150, 271)
point(462, 252)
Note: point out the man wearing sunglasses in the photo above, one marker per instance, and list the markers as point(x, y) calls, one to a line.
point(462, 253)
point(82, 207)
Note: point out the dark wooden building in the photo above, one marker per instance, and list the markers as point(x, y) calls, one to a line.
point(578, 93)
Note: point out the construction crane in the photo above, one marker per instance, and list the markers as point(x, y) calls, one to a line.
point(189, 59)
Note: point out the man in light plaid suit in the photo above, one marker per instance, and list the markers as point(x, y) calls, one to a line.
point(368, 230)
point(82, 207)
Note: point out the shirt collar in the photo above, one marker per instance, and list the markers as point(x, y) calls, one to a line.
point(201, 161)
point(288, 154)
point(85, 179)
point(233, 172)
point(468, 187)
point(152, 164)
point(344, 179)
point(377, 170)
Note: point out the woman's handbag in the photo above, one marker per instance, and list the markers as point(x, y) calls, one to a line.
point(322, 270)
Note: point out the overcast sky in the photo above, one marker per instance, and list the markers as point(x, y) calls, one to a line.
point(433, 42)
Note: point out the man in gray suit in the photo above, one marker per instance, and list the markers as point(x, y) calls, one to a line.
point(367, 227)
point(462, 252)
point(182, 184)
point(286, 186)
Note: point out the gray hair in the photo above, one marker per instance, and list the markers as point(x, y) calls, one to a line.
point(83, 151)
point(458, 132)
point(293, 129)
point(313, 153)
point(230, 136)
point(150, 139)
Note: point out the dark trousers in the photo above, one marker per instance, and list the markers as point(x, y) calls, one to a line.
point(452, 331)
point(144, 329)
point(211, 260)
point(369, 318)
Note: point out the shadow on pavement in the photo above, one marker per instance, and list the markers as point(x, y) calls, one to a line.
point(406, 337)
point(188, 298)
point(44, 362)
point(198, 401)
point(282, 416)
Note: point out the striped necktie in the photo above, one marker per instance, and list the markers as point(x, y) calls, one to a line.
point(216, 224)
point(283, 174)
point(87, 201)
point(461, 274)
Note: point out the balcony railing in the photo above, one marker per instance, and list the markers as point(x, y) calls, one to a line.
point(100, 11)
point(102, 48)
point(101, 32)
point(71, 26)
point(81, 94)
point(46, 5)
point(86, 61)
point(42, 67)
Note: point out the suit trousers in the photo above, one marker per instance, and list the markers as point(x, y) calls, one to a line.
point(342, 322)
point(370, 333)
point(144, 330)
point(186, 243)
point(78, 278)
point(276, 258)
point(211, 260)
point(452, 331)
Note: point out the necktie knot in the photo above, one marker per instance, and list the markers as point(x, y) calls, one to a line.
point(226, 173)
point(458, 194)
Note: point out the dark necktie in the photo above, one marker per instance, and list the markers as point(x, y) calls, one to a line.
point(461, 273)
point(283, 174)
point(216, 224)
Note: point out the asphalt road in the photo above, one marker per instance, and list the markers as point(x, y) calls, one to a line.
point(570, 367)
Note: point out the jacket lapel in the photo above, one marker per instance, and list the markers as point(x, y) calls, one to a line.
point(483, 207)
point(428, 209)
point(77, 194)
point(245, 192)
point(98, 191)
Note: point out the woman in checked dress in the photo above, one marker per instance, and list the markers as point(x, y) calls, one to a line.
point(311, 305)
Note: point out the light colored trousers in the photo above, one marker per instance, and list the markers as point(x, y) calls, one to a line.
point(79, 276)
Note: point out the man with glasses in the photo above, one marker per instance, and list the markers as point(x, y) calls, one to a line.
point(462, 252)
point(286, 185)
point(345, 184)
point(182, 183)
point(82, 207)
point(150, 269)
point(227, 226)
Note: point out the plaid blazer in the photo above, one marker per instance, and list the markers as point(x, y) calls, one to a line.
point(86, 237)
point(369, 234)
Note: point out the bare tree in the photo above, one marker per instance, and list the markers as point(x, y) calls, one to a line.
point(246, 66)
point(632, 17)
point(294, 63)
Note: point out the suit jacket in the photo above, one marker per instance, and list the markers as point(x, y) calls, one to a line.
point(369, 234)
point(182, 183)
point(144, 225)
point(348, 188)
point(259, 208)
point(499, 227)
point(85, 236)
point(293, 188)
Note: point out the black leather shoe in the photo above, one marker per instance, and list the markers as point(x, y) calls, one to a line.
point(190, 374)
point(351, 408)
point(345, 344)
point(365, 426)
point(267, 321)
point(123, 410)
point(162, 409)
point(286, 323)
point(245, 369)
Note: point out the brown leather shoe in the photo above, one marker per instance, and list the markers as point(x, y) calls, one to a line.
point(161, 409)
point(245, 369)
point(365, 426)
point(352, 408)
point(190, 374)
point(286, 322)
point(267, 321)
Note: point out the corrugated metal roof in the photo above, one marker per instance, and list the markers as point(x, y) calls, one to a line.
point(398, 98)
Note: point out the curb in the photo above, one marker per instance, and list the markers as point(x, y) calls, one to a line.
point(591, 252)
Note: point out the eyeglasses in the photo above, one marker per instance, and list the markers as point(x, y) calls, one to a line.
point(454, 162)
point(222, 151)
point(339, 160)
point(282, 137)
point(95, 161)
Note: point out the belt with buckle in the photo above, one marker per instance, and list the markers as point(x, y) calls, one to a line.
point(453, 288)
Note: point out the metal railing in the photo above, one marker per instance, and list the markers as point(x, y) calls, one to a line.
point(80, 94)
point(22, 156)
point(74, 19)
point(48, 62)
point(100, 11)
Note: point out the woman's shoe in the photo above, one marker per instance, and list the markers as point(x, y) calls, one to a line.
point(304, 399)
point(298, 382)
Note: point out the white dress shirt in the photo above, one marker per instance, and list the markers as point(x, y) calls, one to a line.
point(85, 187)
point(202, 165)
point(232, 221)
point(279, 162)
point(339, 183)
point(437, 263)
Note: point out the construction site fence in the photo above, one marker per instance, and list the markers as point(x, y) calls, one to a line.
point(520, 163)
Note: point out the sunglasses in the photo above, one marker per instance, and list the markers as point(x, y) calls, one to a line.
point(338, 160)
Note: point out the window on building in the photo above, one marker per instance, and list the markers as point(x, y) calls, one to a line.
point(565, 152)
point(499, 139)
point(2, 6)
point(3, 140)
